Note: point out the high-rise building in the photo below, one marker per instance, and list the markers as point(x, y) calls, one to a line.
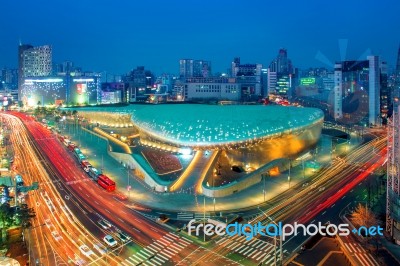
point(140, 82)
point(356, 97)
point(189, 68)
point(281, 68)
point(393, 164)
point(282, 65)
point(33, 61)
point(249, 76)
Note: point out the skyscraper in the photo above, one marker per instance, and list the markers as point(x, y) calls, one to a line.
point(189, 68)
point(393, 164)
point(33, 61)
point(357, 91)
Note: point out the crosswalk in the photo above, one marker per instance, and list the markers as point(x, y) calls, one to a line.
point(184, 216)
point(361, 254)
point(202, 215)
point(158, 252)
point(255, 249)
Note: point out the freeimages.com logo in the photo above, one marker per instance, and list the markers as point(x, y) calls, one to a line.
point(282, 230)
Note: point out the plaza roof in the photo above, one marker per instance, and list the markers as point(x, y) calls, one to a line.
point(204, 125)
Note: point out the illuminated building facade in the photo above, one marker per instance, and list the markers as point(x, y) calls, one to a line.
point(140, 84)
point(216, 88)
point(358, 81)
point(33, 61)
point(393, 164)
point(42, 90)
point(85, 90)
point(235, 137)
point(189, 68)
point(249, 78)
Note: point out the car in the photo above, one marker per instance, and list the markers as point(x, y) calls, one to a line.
point(123, 237)
point(107, 223)
point(86, 250)
point(78, 261)
point(103, 224)
point(48, 223)
point(56, 235)
point(110, 241)
point(100, 248)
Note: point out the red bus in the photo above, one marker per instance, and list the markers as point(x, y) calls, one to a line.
point(86, 165)
point(71, 146)
point(106, 182)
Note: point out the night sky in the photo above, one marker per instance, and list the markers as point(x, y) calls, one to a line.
point(118, 35)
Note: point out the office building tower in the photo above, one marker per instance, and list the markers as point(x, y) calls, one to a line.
point(33, 61)
point(189, 68)
point(357, 91)
point(249, 78)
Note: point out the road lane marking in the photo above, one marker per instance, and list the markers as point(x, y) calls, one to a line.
point(127, 262)
point(166, 254)
point(248, 251)
point(161, 260)
point(173, 235)
point(243, 250)
point(157, 244)
point(170, 239)
point(153, 260)
point(373, 259)
point(96, 202)
point(165, 242)
point(232, 244)
point(170, 248)
point(333, 206)
point(152, 249)
point(255, 255)
point(144, 257)
point(121, 220)
point(187, 239)
point(323, 212)
point(182, 247)
point(137, 259)
point(147, 253)
point(360, 258)
point(253, 252)
point(136, 229)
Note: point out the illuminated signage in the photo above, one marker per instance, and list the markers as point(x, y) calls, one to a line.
point(307, 81)
point(31, 81)
point(81, 88)
point(83, 80)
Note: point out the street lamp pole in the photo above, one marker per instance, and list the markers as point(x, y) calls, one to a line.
point(280, 239)
point(289, 172)
point(264, 192)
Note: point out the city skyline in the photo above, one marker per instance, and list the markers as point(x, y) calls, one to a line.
point(118, 38)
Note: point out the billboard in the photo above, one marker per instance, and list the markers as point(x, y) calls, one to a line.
point(307, 81)
point(81, 88)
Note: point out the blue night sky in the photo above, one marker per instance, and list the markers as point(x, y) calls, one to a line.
point(116, 36)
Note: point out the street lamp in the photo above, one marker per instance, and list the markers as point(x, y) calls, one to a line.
point(280, 239)
point(29, 240)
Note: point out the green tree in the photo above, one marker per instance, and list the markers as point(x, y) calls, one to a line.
point(24, 216)
point(5, 219)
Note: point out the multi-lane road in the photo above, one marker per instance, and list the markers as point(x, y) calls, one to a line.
point(57, 233)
